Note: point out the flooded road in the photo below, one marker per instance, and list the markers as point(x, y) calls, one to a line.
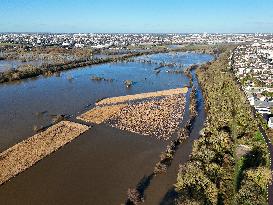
point(99, 166)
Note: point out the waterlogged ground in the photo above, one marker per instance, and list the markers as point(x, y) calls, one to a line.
point(6, 65)
point(99, 166)
point(182, 58)
point(34, 102)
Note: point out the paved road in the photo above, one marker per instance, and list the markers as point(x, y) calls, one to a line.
point(269, 146)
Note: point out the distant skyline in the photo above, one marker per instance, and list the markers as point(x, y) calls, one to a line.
point(137, 16)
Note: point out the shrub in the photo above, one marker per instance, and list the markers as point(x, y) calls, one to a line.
point(128, 83)
point(134, 196)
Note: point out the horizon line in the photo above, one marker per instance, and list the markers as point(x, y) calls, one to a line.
point(48, 32)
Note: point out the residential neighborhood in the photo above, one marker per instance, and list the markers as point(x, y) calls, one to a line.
point(253, 66)
point(121, 40)
point(142, 102)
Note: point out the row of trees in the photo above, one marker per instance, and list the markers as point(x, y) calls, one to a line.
point(229, 164)
point(28, 71)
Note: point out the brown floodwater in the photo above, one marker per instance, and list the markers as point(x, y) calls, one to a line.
point(96, 168)
point(161, 189)
point(33, 102)
point(99, 166)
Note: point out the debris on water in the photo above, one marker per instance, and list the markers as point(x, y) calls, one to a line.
point(58, 118)
point(70, 77)
point(159, 117)
point(41, 113)
point(128, 83)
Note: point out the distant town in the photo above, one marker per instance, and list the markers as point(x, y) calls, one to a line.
point(252, 59)
point(122, 40)
point(253, 65)
point(209, 92)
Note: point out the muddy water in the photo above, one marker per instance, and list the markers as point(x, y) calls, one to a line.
point(34, 102)
point(183, 58)
point(99, 166)
point(161, 189)
point(96, 168)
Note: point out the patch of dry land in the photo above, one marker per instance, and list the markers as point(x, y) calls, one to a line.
point(100, 114)
point(28, 152)
point(159, 117)
point(141, 96)
point(155, 114)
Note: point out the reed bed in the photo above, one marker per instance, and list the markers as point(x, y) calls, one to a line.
point(158, 117)
point(141, 96)
point(28, 152)
point(100, 114)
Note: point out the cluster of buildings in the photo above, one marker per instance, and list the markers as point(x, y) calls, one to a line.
point(253, 66)
point(105, 40)
point(252, 61)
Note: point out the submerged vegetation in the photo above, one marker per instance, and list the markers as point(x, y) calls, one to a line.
point(53, 60)
point(215, 174)
point(128, 83)
point(98, 78)
point(25, 154)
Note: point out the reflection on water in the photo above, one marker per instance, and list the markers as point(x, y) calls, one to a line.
point(184, 58)
point(70, 93)
point(6, 65)
point(98, 167)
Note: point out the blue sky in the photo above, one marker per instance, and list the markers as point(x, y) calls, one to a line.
point(159, 16)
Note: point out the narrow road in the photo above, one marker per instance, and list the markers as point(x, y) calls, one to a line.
point(267, 140)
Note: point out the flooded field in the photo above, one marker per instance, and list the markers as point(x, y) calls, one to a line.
point(182, 58)
point(99, 166)
point(14, 64)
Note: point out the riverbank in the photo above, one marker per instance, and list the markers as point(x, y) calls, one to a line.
point(220, 169)
point(47, 69)
point(96, 167)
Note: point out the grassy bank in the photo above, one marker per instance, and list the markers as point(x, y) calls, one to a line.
point(229, 163)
